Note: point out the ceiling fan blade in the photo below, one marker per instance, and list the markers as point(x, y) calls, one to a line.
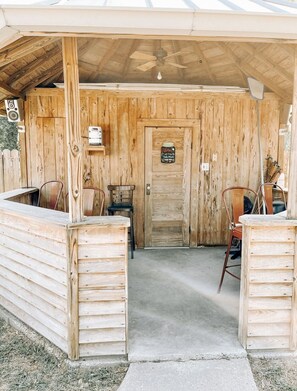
point(175, 65)
point(183, 51)
point(147, 66)
point(142, 56)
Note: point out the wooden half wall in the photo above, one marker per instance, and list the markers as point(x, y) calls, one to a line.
point(225, 137)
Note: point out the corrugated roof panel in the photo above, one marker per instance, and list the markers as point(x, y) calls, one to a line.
point(124, 3)
point(289, 10)
point(215, 5)
point(169, 4)
point(257, 6)
point(251, 6)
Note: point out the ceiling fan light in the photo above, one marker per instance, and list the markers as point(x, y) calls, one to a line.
point(159, 76)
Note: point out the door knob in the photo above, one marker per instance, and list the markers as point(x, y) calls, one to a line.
point(148, 189)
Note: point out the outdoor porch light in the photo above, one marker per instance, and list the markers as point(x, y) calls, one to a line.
point(256, 88)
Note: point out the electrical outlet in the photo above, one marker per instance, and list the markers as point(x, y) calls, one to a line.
point(214, 157)
point(204, 166)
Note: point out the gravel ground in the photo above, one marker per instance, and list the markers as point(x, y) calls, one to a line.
point(28, 366)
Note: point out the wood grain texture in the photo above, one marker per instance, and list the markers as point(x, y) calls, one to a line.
point(224, 134)
point(73, 129)
point(268, 291)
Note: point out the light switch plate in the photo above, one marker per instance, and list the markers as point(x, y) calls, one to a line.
point(204, 166)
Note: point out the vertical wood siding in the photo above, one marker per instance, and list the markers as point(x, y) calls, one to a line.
point(227, 139)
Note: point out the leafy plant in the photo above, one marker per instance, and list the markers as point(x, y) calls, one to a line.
point(8, 134)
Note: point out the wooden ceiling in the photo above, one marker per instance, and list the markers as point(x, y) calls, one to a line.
point(37, 62)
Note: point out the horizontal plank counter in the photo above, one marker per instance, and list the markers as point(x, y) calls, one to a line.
point(267, 318)
point(67, 281)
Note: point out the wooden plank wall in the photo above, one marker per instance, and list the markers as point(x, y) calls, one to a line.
point(33, 274)
point(267, 306)
point(102, 290)
point(9, 170)
point(227, 140)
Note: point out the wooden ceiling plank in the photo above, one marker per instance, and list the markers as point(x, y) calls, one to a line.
point(10, 92)
point(32, 67)
point(107, 56)
point(176, 48)
point(12, 54)
point(128, 61)
point(251, 71)
point(54, 70)
point(268, 62)
point(204, 62)
point(233, 58)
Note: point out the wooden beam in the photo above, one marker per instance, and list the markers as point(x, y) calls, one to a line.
point(204, 63)
point(72, 294)
point(107, 56)
point(32, 67)
point(251, 71)
point(73, 130)
point(267, 61)
point(198, 38)
point(292, 188)
point(22, 49)
point(176, 48)
point(10, 92)
point(230, 54)
point(54, 70)
point(127, 64)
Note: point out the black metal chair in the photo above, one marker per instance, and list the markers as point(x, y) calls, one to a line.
point(121, 202)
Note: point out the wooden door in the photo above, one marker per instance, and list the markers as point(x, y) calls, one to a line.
point(167, 186)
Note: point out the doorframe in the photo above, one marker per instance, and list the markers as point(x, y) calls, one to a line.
point(194, 173)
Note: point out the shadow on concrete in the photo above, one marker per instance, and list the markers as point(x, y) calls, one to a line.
point(174, 309)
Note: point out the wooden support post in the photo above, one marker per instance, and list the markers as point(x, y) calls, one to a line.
point(73, 130)
point(292, 188)
point(72, 288)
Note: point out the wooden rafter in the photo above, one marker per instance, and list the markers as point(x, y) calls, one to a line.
point(251, 71)
point(128, 61)
point(233, 58)
point(10, 92)
point(107, 56)
point(204, 64)
point(32, 67)
point(16, 52)
point(257, 54)
point(176, 48)
point(54, 70)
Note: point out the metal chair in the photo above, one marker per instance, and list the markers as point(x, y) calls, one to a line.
point(273, 197)
point(121, 201)
point(93, 201)
point(50, 193)
point(237, 201)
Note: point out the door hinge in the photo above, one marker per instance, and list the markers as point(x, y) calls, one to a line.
point(189, 230)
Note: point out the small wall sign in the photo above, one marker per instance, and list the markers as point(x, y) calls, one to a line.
point(168, 153)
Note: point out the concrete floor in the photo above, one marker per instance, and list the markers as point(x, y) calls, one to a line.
point(174, 309)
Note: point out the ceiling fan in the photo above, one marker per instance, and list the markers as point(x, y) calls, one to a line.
point(159, 58)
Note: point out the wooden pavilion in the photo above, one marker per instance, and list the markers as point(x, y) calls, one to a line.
point(147, 76)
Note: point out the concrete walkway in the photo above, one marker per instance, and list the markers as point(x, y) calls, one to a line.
point(201, 375)
point(182, 334)
point(174, 310)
